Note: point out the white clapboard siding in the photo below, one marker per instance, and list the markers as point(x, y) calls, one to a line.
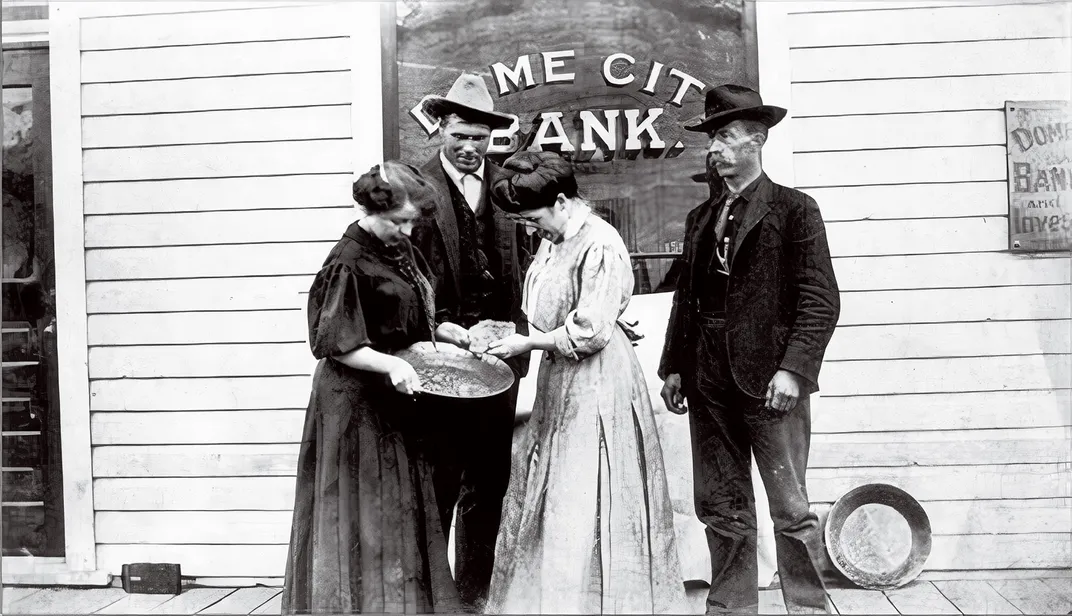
point(203, 28)
point(1001, 552)
point(218, 160)
point(923, 366)
point(273, 527)
point(885, 131)
point(943, 448)
point(1034, 303)
point(997, 57)
point(825, 485)
point(949, 271)
point(220, 194)
point(217, 93)
point(928, 94)
point(321, 122)
point(194, 494)
point(946, 411)
point(199, 560)
point(258, 460)
point(201, 228)
point(200, 394)
point(929, 25)
point(950, 340)
point(194, 527)
point(947, 552)
point(910, 201)
point(994, 481)
point(953, 305)
point(197, 327)
point(220, 360)
point(850, 344)
point(968, 164)
point(218, 60)
point(984, 517)
point(305, 258)
point(259, 293)
point(856, 238)
point(925, 236)
point(875, 450)
point(206, 261)
point(908, 376)
point(192, 427)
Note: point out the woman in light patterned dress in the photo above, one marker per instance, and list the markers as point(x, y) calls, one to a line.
point(587, 525)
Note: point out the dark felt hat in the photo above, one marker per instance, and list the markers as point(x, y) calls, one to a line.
point(470, 99)
point(726, 103)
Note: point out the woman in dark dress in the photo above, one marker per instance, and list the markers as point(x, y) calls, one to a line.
point(366, 536)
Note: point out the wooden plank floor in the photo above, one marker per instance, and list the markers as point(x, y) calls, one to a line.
point(1023, 596)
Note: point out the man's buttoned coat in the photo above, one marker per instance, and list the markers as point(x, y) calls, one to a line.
point(782, 299)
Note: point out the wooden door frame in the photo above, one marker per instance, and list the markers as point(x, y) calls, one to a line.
point(78, 565)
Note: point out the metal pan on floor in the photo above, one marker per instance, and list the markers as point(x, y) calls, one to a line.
point(878, 536)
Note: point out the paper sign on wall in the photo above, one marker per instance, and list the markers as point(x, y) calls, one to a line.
point(1039, 150)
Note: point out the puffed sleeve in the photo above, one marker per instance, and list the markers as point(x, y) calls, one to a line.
point(336, 321)
point(604, 276)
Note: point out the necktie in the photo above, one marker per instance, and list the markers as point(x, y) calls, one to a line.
point(721, 251)
point(471, 190)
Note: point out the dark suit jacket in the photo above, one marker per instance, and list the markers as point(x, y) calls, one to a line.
point(436, 238)
point(782, 300)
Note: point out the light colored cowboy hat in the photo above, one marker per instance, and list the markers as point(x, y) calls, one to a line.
point(726, 103)
point(470, 99)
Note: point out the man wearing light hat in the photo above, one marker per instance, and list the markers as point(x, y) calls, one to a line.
point(755, 307)
point(476, 255)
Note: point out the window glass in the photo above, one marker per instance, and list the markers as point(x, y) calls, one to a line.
point(605, 70)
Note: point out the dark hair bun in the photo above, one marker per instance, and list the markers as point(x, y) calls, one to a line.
point(540, 178)
point(374, 193)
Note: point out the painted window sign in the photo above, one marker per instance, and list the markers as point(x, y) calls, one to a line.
point(609, 81)
point(1040, 175)
point(600, 134)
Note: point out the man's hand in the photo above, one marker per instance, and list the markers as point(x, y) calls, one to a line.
point(783, 392)
point(452, 333)
point(672, 396)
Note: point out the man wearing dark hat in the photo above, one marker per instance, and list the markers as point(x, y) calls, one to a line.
point(475, 254)
point(755, 307)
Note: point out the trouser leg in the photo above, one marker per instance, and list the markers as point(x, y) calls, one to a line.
point(486, 457)
point(781, 449)
point(722, 480)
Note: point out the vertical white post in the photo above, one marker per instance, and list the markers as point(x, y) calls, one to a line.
point(71, 320)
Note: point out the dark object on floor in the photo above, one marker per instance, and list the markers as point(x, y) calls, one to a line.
point(878, 536)
point(152, 579)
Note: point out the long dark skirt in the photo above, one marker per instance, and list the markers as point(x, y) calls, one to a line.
point(366, 536)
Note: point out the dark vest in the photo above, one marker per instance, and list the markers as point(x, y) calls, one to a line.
point(479, 258)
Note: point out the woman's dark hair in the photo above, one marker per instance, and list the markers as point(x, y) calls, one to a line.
point(539, 178)
point(403, 182)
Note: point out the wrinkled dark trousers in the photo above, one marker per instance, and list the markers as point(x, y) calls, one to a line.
point(728, 427)
point(471, 469)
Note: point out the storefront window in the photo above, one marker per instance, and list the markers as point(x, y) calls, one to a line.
point(611, 81)
point(32, 504)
